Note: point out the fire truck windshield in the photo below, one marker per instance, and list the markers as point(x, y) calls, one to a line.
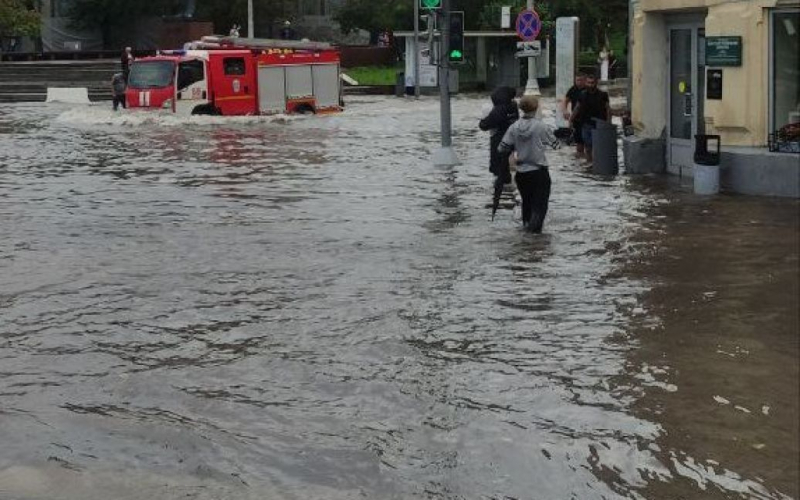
point(151, 74)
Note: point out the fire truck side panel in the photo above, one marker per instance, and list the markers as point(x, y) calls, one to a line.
point(233, 84)
point(192, 85)
point(326, 86)
point(272, 89)
point(299, 85)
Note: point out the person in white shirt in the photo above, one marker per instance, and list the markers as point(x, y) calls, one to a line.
point(529, 137)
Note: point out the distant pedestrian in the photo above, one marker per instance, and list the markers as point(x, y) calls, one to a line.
point(529, 137)
point(287, 32)
point(234, 33)
point(504, 113)
point(118, 87)
point(570, 103)
point(593, 104)
point(126, 60)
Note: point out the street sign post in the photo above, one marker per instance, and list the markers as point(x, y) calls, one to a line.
point(529, 49)
point(529, 25)
point(446, 155)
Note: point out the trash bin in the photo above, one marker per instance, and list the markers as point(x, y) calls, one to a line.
point(706, 164)
point(604, 148)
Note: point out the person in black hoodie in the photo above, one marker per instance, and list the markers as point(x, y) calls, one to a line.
point(504, 113)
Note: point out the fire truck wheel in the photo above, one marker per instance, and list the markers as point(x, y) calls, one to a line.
point(205, 109)
point(304, 109)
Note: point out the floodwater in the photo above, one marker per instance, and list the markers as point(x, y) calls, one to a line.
point(304, 308)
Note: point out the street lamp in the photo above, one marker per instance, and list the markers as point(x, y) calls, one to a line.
point(250, 20)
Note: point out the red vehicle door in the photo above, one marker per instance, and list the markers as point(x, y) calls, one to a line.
point(233, 83)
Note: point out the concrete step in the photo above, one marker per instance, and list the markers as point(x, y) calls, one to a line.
point(28, 81)
point(11, 98)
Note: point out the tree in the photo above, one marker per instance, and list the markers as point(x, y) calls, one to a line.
point(18, 18)
point(113, 17)
point(375, 16)
point(117, 16)
point(224, 13)
point(599, 19)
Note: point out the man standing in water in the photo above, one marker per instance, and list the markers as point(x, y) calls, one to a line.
point(570, 103)
point(529, 137)
point(593, 104)
point(126, 60)
point(118, 86)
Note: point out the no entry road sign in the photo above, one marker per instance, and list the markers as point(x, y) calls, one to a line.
point(528, 25)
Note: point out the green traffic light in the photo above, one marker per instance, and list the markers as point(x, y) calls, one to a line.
point(456, 54)
point(431, 4)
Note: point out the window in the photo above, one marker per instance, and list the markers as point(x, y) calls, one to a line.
point(151, 74)
point(234, 66)
point(190, 72)
point(785, 70)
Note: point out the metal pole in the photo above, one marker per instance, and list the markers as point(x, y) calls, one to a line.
point(631, 4)
point(532, 87)
point(445, 156)
point(250, 20)
point(416, 48)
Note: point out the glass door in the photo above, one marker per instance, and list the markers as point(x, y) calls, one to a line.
point(685, 99)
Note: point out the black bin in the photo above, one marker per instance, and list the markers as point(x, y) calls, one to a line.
point(605, 155)
point(703, 155)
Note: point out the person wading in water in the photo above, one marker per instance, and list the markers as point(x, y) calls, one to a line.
point(504, 113)
point(529, 137)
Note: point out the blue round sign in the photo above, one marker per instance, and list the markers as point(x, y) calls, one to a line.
point(528, 25)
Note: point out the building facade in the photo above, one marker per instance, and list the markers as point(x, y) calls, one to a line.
point(720, 67)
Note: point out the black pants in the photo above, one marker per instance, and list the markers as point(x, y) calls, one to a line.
point(120, 100)
point(534, 187)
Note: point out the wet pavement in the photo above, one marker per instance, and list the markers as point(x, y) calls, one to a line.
point(305, 308)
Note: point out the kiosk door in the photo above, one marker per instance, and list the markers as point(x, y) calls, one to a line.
point(686, 95)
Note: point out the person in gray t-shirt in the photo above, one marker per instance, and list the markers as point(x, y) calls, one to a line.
point(529, 137)
point(118, 86)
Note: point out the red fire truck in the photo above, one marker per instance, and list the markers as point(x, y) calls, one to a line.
point(237, 76)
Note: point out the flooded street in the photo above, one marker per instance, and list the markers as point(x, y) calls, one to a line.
point(304, 308)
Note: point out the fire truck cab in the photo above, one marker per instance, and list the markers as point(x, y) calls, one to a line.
point(231, 76)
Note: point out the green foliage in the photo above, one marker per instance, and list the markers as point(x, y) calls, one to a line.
point(601, 21)
point(373, 75)
point(18, 18)
point(119, 16)
point(224, 13)
point(375, 15)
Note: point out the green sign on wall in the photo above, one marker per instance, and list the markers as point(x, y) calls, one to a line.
point(723, 51)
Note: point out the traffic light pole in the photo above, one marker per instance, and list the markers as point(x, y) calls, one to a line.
point(445, 156)
point(532, 87)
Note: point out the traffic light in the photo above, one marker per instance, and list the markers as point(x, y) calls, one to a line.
point(456, 37)
point(430, 4)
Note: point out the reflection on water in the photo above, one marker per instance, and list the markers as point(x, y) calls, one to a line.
point(305, 308)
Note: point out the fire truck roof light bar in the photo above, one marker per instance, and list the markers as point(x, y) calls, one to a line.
point(262, 43)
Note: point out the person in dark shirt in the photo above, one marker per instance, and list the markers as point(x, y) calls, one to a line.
point(504, 113)
point(125, 61)
point(570, 103)
point(593, 104)
point(118, 86)
point(287, 33)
